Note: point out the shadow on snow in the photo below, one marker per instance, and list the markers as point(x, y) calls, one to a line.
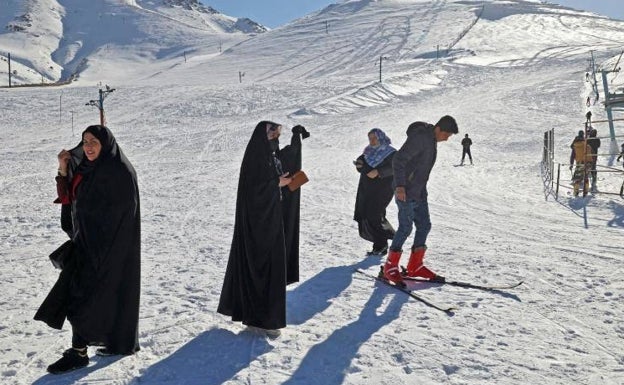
point(328, 362)
point(217, 355)
point(212, 357)
point(96, 363)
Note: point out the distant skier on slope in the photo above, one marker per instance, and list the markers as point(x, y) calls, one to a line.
point(466, 143)
point(412, 165)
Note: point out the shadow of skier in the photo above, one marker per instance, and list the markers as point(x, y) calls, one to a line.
point(315, 294)
point(329, 361)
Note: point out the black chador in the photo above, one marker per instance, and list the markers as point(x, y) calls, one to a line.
point(98, 289)
point(264, 256)
point(373, 196)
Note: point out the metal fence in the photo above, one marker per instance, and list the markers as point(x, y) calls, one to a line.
point(551, 172)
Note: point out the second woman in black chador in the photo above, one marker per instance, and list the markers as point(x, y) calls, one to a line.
point(265, 247)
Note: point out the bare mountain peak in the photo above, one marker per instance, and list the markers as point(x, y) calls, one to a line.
point(20, 23)
point(195, 10)
point(246, 25)
point(191, 5)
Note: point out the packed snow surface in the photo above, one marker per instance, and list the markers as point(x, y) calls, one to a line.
point(184, 107)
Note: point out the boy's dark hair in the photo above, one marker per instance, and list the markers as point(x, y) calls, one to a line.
point(448, 124)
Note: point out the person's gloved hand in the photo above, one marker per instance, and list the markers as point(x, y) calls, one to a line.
point(299, 129)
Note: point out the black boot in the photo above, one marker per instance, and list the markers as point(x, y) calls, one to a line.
point(72, 359)
point(378, 250)
point(104, 352)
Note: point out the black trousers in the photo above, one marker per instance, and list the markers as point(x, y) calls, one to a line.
point(466, 151)
point(77, 341)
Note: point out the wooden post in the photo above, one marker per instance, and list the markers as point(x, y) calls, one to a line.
point(101, 107)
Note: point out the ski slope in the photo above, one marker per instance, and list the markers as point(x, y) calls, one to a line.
point(518, 70)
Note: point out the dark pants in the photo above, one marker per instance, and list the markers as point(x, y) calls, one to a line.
point(466, 151)
point(377, 231)
point(593, 173)
point(77, 341)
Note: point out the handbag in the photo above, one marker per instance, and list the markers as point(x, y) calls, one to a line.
point(61, 256)
point(299, 178)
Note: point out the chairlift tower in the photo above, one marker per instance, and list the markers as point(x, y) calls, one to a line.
point(100, 102)
point(612, 101)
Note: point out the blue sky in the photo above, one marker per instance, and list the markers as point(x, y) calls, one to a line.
point(271, 13)
point(611, 8)
point(274, 13)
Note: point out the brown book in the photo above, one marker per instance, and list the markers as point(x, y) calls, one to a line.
point(298, 179)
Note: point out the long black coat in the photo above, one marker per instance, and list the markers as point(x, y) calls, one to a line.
point(290, 156)
point(254, 287)
point(373, 196)
point(99, 291)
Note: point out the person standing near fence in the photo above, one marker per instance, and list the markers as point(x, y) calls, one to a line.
point(580, 156)
point(593, 143)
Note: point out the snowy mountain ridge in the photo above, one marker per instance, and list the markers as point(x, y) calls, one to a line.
point(53, 40)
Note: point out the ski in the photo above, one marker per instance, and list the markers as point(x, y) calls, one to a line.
point(467, 285)
point(447, 310)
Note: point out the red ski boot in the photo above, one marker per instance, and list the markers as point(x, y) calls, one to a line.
point(416, 268)
point(391, 268)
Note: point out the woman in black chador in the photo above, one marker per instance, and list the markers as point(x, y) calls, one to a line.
point(264, 256)
point(375, 191)
point(98, 288)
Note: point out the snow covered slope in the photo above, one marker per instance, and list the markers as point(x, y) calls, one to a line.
point(53, 40)
point(514, 69)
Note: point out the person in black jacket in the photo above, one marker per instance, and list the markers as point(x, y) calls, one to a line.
point(98, 289)
point(593, 142)
point(412, 165)
point(466, 143)
point(375, 191)
point(258, 269)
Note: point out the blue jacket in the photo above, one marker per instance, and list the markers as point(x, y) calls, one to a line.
point(413, 162)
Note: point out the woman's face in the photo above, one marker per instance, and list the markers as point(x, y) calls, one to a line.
point(274, 132)
point(372, 139)
point(91, 146)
